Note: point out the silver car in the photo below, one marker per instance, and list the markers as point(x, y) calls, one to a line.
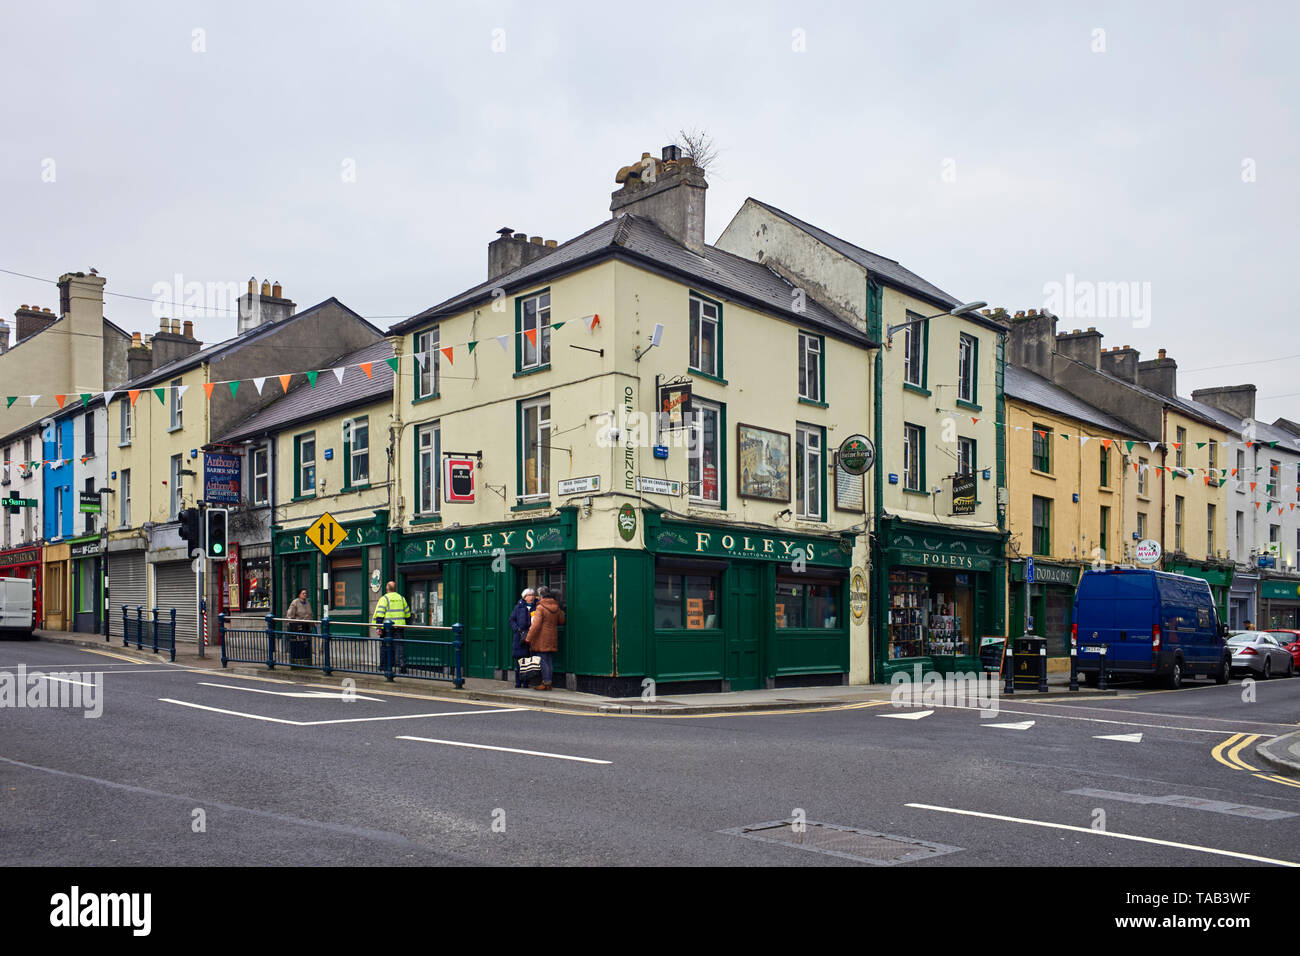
point(1261, 654)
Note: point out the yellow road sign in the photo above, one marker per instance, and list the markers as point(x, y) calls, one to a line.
point(326, 533)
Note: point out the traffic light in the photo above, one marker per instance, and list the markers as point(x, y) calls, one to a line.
point(216, 536)
point(189, 530)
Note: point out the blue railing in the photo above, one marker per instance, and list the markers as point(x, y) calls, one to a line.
point(149, 631)
point(427, 653)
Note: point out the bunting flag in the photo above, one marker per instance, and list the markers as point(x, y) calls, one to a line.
point(284, 381)
point(234, 387)
point(162, 395)
point(422, 358)
point(134, 393)
point(447, 352)
point(591, 321)
point(557, 325)
point(311, 378)
point(258, 383)
point(974, 421)
point(10, 400)
point(502, 340)
point(1105, 443)
point(1252, 486)
point(33, 399)
point(1065, 436)
point(108, 397)
point(338, 373)
point(531, 336)
point(1153, 444)
point(472, 347)
point(207, 389)
point(85, 399)
point(1130, 446)
point(60, 399)
point(1083, 440)
point(391, 363)
point(181, 390)
point(368, 369)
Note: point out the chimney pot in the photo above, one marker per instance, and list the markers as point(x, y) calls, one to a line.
point(520, 235)
point(671, 153)
point(137, 341)
point(551, 244)
point(176, 326)
point(1161, 353)
point(252, 286)
point(266, 287)
point(536, 240)
point(164, 325)
point(505, 231)
point(188, 330)
point(23, 306)
point(1126, 348)
point(276, 290)
point(1092, 328)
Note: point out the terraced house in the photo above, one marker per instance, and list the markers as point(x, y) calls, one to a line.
point(645, 423)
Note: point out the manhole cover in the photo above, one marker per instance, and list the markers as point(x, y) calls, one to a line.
point(865, 846)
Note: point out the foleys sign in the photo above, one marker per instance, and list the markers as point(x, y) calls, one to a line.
point(715, 542)
point(469, 544)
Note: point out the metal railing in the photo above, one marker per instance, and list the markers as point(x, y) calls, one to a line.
point(149, 631)
point(428, 653)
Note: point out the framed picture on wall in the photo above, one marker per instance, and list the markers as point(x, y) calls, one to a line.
point(763, 470)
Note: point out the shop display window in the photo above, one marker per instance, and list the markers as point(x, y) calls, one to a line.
point(929, 615)
point(686, 600)
point(257, 584)
point(800, 603)
point(347, 584)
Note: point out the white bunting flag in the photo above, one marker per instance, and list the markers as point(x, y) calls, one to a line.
point(338, 373)
point(181, 390)
point(32, 399)
point(501, 341)
point(108, 397)
point(259, 382)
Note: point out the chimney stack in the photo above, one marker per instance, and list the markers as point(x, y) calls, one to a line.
point(169, 344)
point(4, 336)
point(669, 191)
point(514, 250)
point(1159, 375)
point(264, 306)
point(28, 320)
point(1236, 400)
point(1121, 362)
point(139, 360)
point(1083, 347)
point(1031, 340)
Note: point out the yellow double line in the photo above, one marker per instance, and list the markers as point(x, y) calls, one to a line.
point(1229, 751)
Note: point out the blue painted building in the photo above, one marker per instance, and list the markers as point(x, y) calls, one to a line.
point(58, 504)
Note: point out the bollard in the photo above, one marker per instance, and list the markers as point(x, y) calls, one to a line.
point(155, 630)
point(1042, 668)
point(386, 649)
point(1074, 665)
point(325, 644)
point(125, 629)
point(173, 641)
point(1010, 666)
point(221, 633)
point(1101, 672)
point(270, 642)
point(458, 630)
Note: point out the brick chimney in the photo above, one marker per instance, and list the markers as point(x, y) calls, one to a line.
point(1083, 347)
point(261, 307)
point(1121, 362)
point(669, 190)
point(1031, 340)
point(1236, 400)
point(513, 250)
point(1159, 375)
point(30, 319)
point(169, 344)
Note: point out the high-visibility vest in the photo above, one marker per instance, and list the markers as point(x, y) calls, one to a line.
point(393, 607)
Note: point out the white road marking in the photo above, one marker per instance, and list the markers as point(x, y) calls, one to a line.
point(63, 680)
point(1126, 738)
point(317, 694)
point(914, 715)
point(345, 720)
point(1121, 723)
point(509, 750)
point(1105, 833)
point(1019, 725)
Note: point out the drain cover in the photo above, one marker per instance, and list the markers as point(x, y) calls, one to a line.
point(864, 846)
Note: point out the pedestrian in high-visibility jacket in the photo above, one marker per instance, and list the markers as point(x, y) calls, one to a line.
point(393, 607)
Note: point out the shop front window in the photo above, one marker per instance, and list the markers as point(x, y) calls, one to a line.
point(427, 601)
point(347, 586)
point(256, 586)
point(685, 601)
point(535, 578)
point(803, 604)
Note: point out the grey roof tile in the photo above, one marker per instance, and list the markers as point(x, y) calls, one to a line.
point(1022, 384)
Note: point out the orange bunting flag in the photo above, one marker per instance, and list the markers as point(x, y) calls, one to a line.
point(208, 387)
point(134, 393)
point(60, 399)
point(1234, 472)
point(447, 352)
point(974, 421)
point(531, 335)
point(367, 368)
point(1252, 488)
point(284, 382)
point(1105, 443)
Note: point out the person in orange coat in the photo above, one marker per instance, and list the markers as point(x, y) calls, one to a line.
point(544, 633)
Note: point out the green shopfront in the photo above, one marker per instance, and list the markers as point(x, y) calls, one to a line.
point(358, 569)
point(1051, 603)
point(1279, 603)
point(937, 592)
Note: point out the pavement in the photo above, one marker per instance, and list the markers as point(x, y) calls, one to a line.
point(504, 692)
point(1282, 754)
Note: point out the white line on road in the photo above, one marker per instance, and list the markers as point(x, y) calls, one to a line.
point(232, 713)
point(1019, 725)
point(344, 720)
point(509, 750)
point(310, 694)
point(1100, 720)
point(1104, 833)
point(914, 715)
point(64, 680)
point(1126, 738)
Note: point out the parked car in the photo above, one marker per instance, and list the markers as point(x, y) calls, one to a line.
point(1151, 624)
point(1259, 653)
point(1289, 640)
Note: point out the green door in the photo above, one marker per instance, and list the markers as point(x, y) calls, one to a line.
point(744, 625)
point(482, 620)
point(299, 574)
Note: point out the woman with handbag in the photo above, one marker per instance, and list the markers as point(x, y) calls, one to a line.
point(520, 619)
point(299, 616)
point(544, 634)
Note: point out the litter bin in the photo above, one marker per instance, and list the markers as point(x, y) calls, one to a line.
point(1030, 662)
point(300, 645)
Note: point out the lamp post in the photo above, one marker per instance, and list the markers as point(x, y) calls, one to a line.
point(955, 310)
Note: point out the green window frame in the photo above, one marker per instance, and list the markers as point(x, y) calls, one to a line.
point(812, 368)
point(1104, 536)
point(304, 469)
point(1042, 527)
point(810, 463)
point(541, 312)
point(916, 351)
point(696, 462)
point(1042, 449)
point(807, 604)
point(914, 458)
point(428, 464)
point(540, 442)
point(968, 363)
point(1105, 466)
point(428, 381)
point(356, 456)
point(703, 312)
point(967, 461)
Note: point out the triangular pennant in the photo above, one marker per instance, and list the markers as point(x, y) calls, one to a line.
point(1268, 507)
point(1201, 444)
point(1130, 445)
point(422, 358)
point(207, 389)
point(338, 373)
point(1153, 444)
point(10, 399)
point(447, 352)
point(974, 421)
point(108, 397)
point(32, 400)
point(368, 368)
point(258, 383)
point(472, 346)
point(1252, 486)
point(60, 399)
point(85, 458)
point(1257, 504)
point(1105, 443)
point(1065, 436)
point(134, 393)
point(1083, 440)
point(1250, 444)
point(1041, 433)
point(1272, 444)
point(85, 398)
point(501, 341)
point(1178, 444)
point(1234, 472)
point(557, 325)
point(1135, 466)
point(284, 381)
point(1159, 470)
point(234, 387)
point(311, 378)
point(591, 321)
point(391, 363)
point(181, 390)
point(162, 395)
point(531, 336)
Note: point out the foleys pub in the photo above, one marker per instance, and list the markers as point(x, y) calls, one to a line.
point(25, 562)
point(938, 591)
point(358, 569)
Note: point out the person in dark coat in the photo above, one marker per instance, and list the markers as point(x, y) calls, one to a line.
point(521, 618)
point(544, 634)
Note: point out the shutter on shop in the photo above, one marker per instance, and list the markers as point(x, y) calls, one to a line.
point(126, 585)
point(174, 588)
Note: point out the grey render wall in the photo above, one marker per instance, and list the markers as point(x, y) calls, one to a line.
point(116, 345)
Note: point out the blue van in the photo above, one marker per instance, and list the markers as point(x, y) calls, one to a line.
point(1152, 624)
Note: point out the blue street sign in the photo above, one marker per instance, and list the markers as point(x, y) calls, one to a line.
point(1029, 571)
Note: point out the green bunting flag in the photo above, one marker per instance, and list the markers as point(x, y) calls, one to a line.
point(472, 346)
point(11, 399)
point(311, 377)
point(391, 363)
point(85, 399)
point(162, 395)
point(557, 325)
point(1130, 445)
point(1201, 444)
point(234, 387)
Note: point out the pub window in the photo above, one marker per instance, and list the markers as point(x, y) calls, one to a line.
point(535, 448)
point(810, 472)
point(804, 604)
point(965, 456)
point(704, 474)
point(533, 328)
point(426, 364)
point(429, 439)
point(706, 336)
point(811, 367)
point(347, 587)
point(686, 601)
point(967, 385)
point(256, 583)
point(913, 458)
point(1042, 543)
point(1042, 448)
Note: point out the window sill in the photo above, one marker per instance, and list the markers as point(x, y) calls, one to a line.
point(365, 487)
point(962, 403)
point(1106, 489)
point(427, 519)
point(705, 375)
point(532, 371)
point(427, 398)
point(809, 401)
point(1042, 474)
point(311, 497)
point(124, 444)
point(175, 428)
point(918, 389)
point(1146, 498)
point(917, 492)
point(532, 505)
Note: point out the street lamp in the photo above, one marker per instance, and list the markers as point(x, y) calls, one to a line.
point(955, 310)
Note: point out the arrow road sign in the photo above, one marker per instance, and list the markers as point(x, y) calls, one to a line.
point(326, 533)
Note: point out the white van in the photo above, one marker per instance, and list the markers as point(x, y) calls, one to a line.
point(16, 618)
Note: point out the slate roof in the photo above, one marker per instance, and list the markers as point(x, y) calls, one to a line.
point(642, 241)
point(1022, 384)
point(305, 403)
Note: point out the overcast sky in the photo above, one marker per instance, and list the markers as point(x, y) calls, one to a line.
point(994, 149)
